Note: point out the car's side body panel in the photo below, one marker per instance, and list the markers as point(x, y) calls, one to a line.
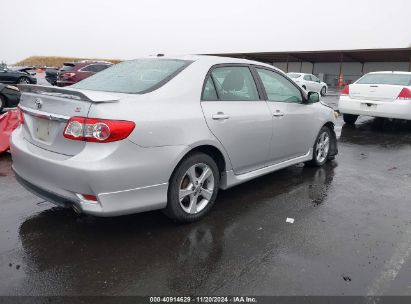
point(132, 175)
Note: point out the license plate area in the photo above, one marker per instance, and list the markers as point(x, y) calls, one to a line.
point(369, 106)
point(42, 129)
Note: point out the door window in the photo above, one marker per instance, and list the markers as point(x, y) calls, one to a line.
point(209, 92)
point(90, 68)
point(307, 77)
point(314, 78)
point(100, 67)
point(235, 83)
point(279, 88)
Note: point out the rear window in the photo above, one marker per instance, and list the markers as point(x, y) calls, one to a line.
point(388, 78)
point(134, 76)
point(67, 68)
point(293, 75)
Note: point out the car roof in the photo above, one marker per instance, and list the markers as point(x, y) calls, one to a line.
point(298, 73)
point(392, 72)
point(209, 59)
point(86, 62)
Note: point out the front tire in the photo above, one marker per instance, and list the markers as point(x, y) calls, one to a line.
point(193, 188)
point(323, 91)
point(321, 148)
point(350, 119)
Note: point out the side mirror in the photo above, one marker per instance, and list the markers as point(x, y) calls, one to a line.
point(313, 97)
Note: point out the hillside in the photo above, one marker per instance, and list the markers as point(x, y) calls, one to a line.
point(54, 61)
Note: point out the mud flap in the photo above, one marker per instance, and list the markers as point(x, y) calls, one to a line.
point(334, 146)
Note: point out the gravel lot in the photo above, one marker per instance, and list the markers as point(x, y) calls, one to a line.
point(351, 234)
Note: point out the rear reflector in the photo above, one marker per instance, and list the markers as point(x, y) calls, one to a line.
point(97, 130)
point(346, 90)
point(405, 94)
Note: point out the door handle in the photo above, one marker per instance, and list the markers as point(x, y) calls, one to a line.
point(220, 116)
point(278, 114)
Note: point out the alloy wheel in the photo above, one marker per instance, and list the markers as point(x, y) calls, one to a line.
point(322, 147)
point(196, 188)
point(24, 80)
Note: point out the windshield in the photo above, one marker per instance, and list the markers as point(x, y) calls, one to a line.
point(293, 75)
point(388, 78)
point(134, 76)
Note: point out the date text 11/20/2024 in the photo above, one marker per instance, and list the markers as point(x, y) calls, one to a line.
point(205, 299)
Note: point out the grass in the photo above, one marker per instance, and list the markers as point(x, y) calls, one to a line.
point(54, 61)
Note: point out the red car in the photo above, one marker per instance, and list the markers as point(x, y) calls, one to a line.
point(73, 72)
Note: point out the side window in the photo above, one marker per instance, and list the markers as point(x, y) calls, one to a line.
point(235, 83)
point(100, 67)
point(307, 77)
point(209, 92)
point(279, 88)
point(89, 68)
point(314, 78)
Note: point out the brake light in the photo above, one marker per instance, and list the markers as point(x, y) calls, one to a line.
point(90, 197)
point(97, 130)
point(346, 90)
point(69, 75)
point(405, 94)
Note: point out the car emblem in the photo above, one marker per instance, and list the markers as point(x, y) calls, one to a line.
point(38, 103)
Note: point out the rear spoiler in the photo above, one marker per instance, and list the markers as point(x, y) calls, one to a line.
point(90, 96)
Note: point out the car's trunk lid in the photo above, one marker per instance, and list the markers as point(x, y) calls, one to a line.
point(47, 110)
point(378, 92)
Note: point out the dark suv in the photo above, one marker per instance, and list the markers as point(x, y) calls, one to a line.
point(73, 72)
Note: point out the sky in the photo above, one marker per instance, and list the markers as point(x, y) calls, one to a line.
point(127, 29)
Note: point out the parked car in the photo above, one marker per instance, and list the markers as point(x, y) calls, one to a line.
point(9, 96)
point(51, 76)
point(166, 133)
point(73, 72)
point(22, 76)
point(309, 82)
point(378, 94)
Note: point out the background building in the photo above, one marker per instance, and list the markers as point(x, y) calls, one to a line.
point(330, 65)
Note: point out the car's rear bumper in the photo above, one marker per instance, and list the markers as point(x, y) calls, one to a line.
point(124, 177)
point(399, 109)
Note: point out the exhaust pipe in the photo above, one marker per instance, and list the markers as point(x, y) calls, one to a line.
point(77, 209)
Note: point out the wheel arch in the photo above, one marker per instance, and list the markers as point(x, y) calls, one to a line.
point(216, 153)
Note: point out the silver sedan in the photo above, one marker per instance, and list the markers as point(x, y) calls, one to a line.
point(166, 133)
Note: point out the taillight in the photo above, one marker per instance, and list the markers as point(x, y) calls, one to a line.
point(405, 94)
point(20, 116)
point(69, 75)
point(90, 197)
point(97, 130)
point(346, 90)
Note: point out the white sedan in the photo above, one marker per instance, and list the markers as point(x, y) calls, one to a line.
point(309, 82)
point(377, 94)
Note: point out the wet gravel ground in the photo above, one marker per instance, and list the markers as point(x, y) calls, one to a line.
point(351, 234)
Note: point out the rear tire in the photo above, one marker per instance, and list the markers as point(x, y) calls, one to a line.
point(23, 80)
point(193, 188)
point(323, 91)
point(350, 119)
point(321, 148)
